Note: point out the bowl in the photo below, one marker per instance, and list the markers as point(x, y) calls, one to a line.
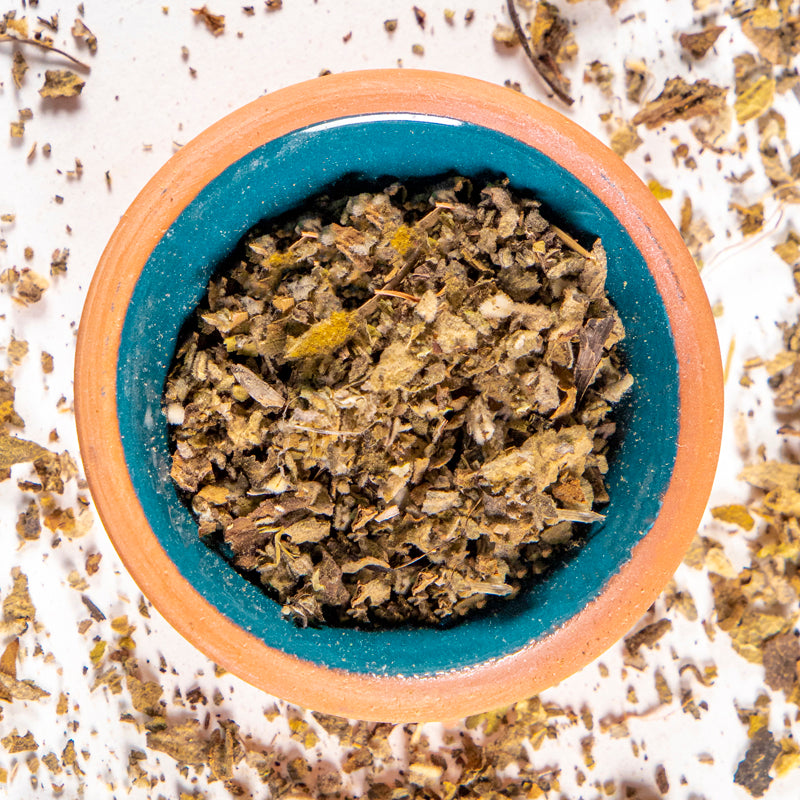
point(267, 158)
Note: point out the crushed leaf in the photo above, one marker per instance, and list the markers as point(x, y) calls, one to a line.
point(624, 138)
point(61, 83)
point(182, 741)
point(734, 515)
point(214, 22)
point(637, 76)
point(781, 656)
point(659, 192)
point(646, 637)
point(753, 771)
point(81, 32)
point(681, 100)
point(19, 68)
point(754, 87)
point(774, 32)
point(698, 44)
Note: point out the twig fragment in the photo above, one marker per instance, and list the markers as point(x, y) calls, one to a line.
point(4, 37)
point(571, 243)
point(542, 62)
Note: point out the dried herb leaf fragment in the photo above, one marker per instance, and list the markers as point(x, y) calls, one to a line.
point(753, 771)
point(19, 67)
point(698, 44)
point(680, 100)
point(81, 32)
point(61, 83)
point(214, 22)
point(14, 450)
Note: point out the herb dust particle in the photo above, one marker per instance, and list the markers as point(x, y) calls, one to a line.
point(394, 406)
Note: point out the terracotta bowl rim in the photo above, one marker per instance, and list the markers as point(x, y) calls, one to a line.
point(627, 594)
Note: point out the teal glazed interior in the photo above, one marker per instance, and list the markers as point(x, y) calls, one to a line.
point(277, 177)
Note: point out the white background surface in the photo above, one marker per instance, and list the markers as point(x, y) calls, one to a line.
point(140, 103)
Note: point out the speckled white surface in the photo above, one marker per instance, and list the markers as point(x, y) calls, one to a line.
point(140, 103)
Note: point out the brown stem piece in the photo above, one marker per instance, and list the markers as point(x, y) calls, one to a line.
point(4, 37)
point(542, 62)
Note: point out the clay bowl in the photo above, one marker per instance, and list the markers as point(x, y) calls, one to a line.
point(267, 158)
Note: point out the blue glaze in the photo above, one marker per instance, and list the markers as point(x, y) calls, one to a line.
point(278, 177)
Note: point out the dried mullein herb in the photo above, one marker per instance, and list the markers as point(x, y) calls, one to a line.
point(214, 22)
point(394, 406)
point(637, 76)
point(551, 43)
point(16, 451)
point(698, 44)
point(81, 32)
point(754, 87)
point(601, 74)
point(680, 100)
point(61, 83)
point(19, 68)
point(753, 770)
